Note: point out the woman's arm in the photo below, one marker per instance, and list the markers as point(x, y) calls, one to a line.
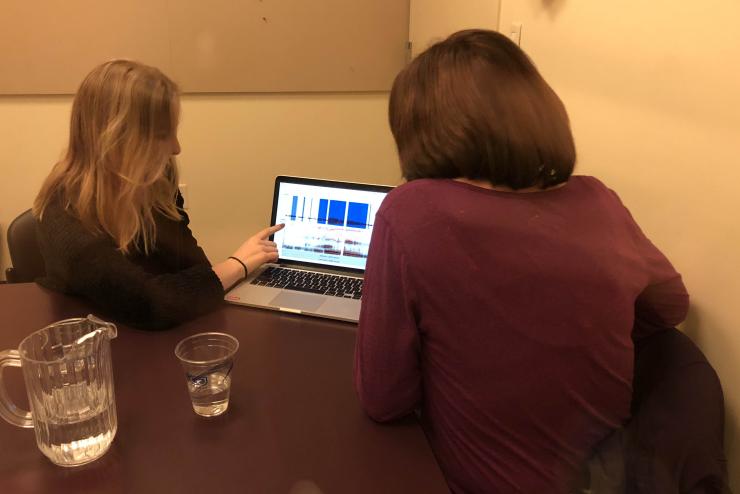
point(90, 265)
point(252, 254)
point(386, 372)
point(176, 237)
point(664, 302)
point(176, 240)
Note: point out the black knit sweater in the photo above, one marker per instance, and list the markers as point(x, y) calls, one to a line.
point(172, 284)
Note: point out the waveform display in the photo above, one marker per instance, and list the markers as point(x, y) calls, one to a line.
point(355, 248)
point(357, 215)
point(328, 242)
point(329, 229)
point(336, 212)
point(331, 212)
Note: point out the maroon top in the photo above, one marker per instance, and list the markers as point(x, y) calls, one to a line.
point(506, 318)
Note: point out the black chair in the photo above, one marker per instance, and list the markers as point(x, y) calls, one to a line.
point(25, 256)
point(674, 442)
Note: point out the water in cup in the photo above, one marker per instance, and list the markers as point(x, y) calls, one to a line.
point(210, 396)
point(207, 360)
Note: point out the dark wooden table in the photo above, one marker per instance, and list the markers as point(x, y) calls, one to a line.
point(294, 425)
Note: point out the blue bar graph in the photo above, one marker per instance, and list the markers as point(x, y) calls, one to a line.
point(323, 210)
point(330, 212)
point(357, 215)
point(336, 212)
point(294, 208)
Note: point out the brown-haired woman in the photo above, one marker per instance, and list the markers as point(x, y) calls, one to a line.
point(501, 292)
point(111, 221)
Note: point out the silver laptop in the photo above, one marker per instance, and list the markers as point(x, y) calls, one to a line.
point(322, 249)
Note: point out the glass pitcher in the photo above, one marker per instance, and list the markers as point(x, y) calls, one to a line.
point(69, 380)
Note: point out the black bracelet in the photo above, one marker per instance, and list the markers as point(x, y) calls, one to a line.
point(246, 271)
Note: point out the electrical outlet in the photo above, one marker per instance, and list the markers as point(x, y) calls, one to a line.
point(184, 192)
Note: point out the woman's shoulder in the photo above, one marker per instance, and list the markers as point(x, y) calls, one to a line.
point(426, 187)
point(409, 197)
point(55, 211)
point(59, 228)
point(414, 186)
point(594, 188)
point(588, 182)
point(410, 192)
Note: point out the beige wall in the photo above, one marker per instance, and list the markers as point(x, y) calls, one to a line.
point(433, 20)
point(653, 91)
point(233, 146)
point(33, 131)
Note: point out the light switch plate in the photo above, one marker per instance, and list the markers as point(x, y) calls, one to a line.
point(515, 33)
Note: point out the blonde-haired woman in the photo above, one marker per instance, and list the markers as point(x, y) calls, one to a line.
point(111, 224)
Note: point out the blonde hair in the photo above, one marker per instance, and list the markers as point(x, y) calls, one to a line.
point(116, 172)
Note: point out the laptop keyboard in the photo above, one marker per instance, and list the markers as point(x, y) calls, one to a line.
point(310, 281)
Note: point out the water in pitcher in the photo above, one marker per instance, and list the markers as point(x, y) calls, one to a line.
point(210, 394)
point(67, 369)
point(75, 423)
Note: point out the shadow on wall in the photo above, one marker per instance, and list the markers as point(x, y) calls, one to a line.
point(694, 329)
point(553, 7)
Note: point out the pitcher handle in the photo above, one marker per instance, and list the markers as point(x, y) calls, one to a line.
point(112, 330)
point(9, 410)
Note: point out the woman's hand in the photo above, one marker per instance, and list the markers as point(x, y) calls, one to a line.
point(258, 250)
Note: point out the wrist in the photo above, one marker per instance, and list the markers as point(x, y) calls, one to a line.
point(242, 264)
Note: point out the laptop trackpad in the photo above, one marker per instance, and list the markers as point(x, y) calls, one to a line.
point(296, 300)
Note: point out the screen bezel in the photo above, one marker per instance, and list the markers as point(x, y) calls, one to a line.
point(280, 179)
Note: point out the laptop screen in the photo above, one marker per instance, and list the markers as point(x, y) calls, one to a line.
point(327, 223)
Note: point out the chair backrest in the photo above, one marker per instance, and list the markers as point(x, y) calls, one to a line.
point(675, 438)
point(28, 264)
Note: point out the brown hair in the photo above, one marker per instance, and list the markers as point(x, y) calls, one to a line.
point(116, 173)
point(475, 106)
